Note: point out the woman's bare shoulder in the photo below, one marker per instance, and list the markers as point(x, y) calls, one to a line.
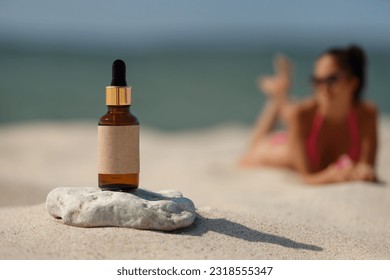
point(367, 110)
point(367, 115)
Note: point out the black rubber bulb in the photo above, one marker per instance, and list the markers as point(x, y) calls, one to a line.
point(119, 73)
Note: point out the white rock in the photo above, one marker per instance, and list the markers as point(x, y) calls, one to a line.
point(140, 209)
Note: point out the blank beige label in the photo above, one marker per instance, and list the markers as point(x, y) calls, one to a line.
point(118, 149)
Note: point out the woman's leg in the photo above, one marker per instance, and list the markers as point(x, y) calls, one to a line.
point(276, 87)
point(265, 122)
point(262, 149)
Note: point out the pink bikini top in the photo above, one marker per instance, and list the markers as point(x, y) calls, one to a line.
point(312, 139)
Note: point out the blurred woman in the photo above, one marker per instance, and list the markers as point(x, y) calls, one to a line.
point(330, 137)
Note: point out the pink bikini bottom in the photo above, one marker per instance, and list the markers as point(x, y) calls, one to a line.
point(279, 137)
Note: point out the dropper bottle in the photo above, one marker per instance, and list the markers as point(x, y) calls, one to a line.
point(118, 136)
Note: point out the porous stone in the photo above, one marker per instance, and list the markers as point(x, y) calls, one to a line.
point(139, 209)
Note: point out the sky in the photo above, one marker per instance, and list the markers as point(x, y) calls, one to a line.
point(149, 24)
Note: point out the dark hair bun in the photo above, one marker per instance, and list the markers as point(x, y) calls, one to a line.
point(352, 59)
point(357, 57)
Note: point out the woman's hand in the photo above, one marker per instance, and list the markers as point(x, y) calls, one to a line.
point(342, 171)
point(355, 171)
point(363, 172)
point(278, 85)
point(329, 175)
point(339, 175)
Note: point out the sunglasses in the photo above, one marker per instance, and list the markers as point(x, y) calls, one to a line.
point(328, 81)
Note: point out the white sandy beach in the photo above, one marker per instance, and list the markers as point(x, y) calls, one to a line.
point(242, 214)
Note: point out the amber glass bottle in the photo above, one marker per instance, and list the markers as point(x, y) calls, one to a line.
point(118, 136)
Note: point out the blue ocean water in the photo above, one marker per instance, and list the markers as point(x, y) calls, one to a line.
point(171, 89)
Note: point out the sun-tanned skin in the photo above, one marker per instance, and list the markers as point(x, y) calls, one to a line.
point(334, 104)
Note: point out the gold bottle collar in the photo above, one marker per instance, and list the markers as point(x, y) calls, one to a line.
point(118, 95)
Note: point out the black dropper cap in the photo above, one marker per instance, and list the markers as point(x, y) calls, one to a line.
point(118, 73)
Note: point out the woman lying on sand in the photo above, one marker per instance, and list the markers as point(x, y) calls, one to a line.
point(330, 137)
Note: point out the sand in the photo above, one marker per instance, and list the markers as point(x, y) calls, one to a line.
point(260, 213)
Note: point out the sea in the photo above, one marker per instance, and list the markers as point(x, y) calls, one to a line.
point(173, 89)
